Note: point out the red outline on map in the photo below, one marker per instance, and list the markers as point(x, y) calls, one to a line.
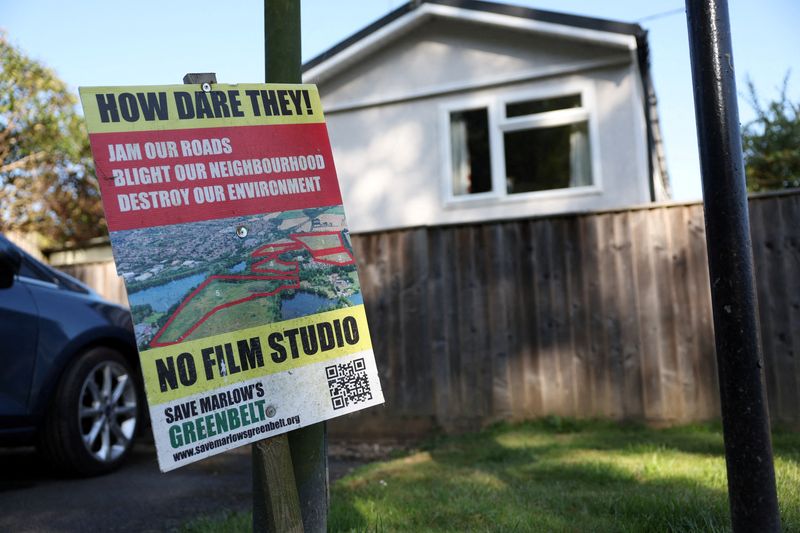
point(270, 252)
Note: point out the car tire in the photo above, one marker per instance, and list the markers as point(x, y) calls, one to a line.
point(90, 426)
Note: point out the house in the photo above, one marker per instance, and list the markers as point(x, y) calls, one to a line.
point(457, 111)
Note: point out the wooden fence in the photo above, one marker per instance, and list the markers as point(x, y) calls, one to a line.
point(597, 315)
point(593, 315)
point(102, 277)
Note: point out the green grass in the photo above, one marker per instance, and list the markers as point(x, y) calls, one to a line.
point(557, 475)
point(216, 293)
point(321, 242)
point(274, 265)
point(227, 522)
point(340, 257)
point(248, 314)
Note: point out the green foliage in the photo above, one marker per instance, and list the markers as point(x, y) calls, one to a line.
point(47, 182)
point(140, 312)
point(771, 143)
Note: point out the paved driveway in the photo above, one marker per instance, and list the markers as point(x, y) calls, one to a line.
point(136, 498)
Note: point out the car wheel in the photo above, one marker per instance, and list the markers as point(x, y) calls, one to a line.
point(91, 424)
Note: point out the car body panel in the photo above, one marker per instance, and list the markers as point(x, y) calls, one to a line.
point(19, 324)
point(68, 326)
point(48, 325)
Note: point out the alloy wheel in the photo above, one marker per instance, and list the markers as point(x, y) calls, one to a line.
point(107, 411)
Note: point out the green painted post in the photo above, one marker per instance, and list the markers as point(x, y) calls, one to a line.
point(290, 472)
point(282, 41)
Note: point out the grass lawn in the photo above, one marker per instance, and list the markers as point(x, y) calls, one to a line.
point(554, 475)
point(218, 292)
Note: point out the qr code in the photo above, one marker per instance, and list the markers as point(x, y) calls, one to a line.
point(348, 383)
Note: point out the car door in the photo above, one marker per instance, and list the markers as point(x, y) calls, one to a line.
point(19, 328)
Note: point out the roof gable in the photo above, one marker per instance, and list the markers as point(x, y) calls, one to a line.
point(408, 17)
point(443, 54)
point(612, 40)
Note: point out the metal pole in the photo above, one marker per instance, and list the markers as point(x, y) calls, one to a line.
point(748, 448)
point(304, 450)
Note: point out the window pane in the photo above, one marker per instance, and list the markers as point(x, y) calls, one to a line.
point(530, 107)
point(29, 270)
point(547, 158)
point(469, 145)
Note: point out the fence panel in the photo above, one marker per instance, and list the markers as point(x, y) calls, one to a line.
point(592, 315)
point(102, 277)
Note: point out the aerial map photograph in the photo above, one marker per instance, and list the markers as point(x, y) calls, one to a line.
point(189, 281)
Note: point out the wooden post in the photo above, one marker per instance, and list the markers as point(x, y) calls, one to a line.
point(199, 78)
point(276, 507)
point(290, 472)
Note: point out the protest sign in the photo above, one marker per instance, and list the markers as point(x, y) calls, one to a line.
point(227, 226)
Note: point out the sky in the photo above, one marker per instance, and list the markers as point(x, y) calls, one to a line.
point(149, 42)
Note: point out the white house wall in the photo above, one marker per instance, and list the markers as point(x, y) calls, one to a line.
point(390, 156)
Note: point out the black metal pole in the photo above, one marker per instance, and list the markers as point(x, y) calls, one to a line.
point(748, 448)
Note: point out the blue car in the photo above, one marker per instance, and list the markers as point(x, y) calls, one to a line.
point(70, 380)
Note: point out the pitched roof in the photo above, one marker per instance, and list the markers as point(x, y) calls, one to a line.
point(632, 36)
point(540, 15)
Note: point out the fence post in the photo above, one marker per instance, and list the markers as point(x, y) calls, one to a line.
point(748, 448)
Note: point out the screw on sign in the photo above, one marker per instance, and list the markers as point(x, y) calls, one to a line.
point(241, 232)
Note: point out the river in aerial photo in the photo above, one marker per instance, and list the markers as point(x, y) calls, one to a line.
point(161, 297)
point(238, 267)
point(308, 303)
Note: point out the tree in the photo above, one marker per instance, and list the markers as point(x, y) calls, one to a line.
point(771, 143)
point(47, 182)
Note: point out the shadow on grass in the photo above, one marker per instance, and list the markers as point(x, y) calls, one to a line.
point(555, 475)
point(479, 484)
point(563, 498)
point(632, 438)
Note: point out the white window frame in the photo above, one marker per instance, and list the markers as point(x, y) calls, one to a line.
point(495, 104)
